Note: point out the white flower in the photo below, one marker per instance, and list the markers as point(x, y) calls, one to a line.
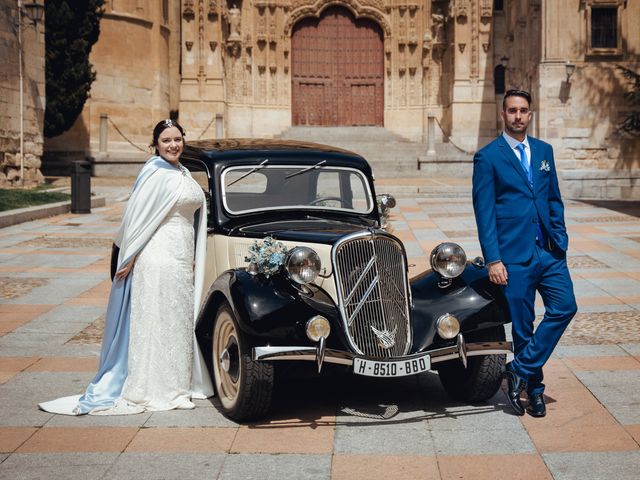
point(544, 166)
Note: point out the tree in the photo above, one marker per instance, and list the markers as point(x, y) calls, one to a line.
point(631, 122)
point(71, 29)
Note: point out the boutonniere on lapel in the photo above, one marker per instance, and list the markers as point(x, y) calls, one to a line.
point(544, 166)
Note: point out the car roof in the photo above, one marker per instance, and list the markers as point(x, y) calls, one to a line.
point(229, 151)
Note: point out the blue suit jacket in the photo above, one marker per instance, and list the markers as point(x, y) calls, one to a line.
point(507, 207)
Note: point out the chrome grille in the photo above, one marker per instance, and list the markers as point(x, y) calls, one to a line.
point(371, 281)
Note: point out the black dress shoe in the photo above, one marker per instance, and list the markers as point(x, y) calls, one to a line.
point(536, 407)
point(515, 386)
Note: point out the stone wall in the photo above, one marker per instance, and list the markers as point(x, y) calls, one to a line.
point(13, 170)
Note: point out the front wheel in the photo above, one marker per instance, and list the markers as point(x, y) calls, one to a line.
point(243, 385)
point(483, 375)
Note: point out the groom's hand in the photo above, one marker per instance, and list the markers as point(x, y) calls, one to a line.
point(498, 273)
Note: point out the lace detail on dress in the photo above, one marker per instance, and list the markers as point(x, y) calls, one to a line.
point(161, 329)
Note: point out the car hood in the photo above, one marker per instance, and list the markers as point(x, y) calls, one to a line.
point(308, 230)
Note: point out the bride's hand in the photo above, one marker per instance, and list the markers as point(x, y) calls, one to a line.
point(124, 271)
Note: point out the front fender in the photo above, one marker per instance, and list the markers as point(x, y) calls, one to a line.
point(471, 297)
point(267, 308)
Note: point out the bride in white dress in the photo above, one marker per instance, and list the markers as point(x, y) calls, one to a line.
point(150, 360)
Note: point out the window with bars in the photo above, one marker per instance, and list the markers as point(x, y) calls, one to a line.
point(603, 28)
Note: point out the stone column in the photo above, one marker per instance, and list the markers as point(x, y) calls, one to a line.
point(473, 106)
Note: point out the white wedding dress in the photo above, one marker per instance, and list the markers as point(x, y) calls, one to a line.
point(161, 329)
point(150, 358)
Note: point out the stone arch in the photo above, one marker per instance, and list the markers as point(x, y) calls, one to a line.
point(354, 6)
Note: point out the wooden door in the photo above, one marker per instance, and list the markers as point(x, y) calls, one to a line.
point(337, 65)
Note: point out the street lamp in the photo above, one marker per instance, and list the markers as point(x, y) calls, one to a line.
point(34, 11)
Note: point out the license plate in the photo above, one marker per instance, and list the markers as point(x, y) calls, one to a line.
point(391, 368)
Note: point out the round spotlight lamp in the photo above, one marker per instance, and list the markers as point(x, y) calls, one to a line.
point(317, 327)
point(448, 326)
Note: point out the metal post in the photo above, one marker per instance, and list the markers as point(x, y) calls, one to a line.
point(21, 92)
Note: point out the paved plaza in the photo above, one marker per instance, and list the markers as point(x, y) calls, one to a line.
point(53, 290)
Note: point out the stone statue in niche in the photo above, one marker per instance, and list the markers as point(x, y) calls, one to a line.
point(437, 28)
point(234, 24)
point(427, 42)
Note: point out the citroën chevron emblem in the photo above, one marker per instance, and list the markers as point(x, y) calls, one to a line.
point(386, 339)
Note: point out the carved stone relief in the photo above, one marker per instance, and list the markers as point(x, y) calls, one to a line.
point(213, 9)
point(462, 11)
point(187, 10)
point(261, 26)
point(486, 10)
point(413, 32)
point(373, 9)
point(273, 26)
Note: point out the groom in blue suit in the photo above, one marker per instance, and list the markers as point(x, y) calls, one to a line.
point(520, 219)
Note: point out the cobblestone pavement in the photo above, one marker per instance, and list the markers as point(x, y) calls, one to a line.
point(53, 290)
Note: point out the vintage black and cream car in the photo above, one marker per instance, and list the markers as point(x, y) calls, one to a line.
point(299, 268)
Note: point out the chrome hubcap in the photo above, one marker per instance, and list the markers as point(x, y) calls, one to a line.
point(225, 360)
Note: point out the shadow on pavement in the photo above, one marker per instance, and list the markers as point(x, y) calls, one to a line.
point(302, 398)
point(630, 207)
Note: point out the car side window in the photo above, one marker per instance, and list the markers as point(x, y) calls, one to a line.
point(201, 177)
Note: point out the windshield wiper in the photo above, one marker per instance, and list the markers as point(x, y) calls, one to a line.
point(300, 172)
point(254, 169)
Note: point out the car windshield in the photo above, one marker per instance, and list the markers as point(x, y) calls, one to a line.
point(249, 189)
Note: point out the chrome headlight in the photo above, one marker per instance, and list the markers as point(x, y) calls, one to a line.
point(303, 265)
point(448, 259)
point(448, 326)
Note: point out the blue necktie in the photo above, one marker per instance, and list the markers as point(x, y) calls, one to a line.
point(524, 163)
point(527, 170)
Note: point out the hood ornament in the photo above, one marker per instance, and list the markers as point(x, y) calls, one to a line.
point(386, 339)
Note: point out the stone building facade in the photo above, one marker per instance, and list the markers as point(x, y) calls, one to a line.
point(15, 170)
point(566, 53)
point(428, 70)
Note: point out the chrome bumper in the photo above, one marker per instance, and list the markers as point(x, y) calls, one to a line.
point(320, 354)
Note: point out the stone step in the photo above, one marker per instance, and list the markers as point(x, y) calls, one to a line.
point(336, 134)
point(389, 154)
